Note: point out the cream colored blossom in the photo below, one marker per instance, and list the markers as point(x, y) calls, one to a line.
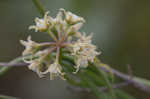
point(30, 46)
point(58, 22)
point(75, 28)
point(72, 18)
point(55, 70)
point(41, 24)
point(65, 31)
point(35, 66)
point(84, 51)
point(58, 18)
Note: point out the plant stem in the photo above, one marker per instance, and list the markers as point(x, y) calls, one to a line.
point(39, 7)
point(136, 83)
point(47, 44)
point(52, 35)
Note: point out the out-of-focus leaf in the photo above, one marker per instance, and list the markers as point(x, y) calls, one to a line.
point(7, 97)
point(94, 90)
point(123, 95)
point(3, 70)
point(97, 79)
point(91, 86)
point(108, 84)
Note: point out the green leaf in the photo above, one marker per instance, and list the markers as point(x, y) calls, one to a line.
point(7, 97)
point(3, 70)
point(96, 78)
point(123, 95)
point(108, 84)
point(91, 85)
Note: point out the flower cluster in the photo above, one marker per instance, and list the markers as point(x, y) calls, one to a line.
point(61, 29)
point(84, 51)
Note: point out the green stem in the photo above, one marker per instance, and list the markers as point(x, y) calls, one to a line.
point(7, 97)
point(52, 35)
point(4, 69)
point(39, 7)
point(70, 59)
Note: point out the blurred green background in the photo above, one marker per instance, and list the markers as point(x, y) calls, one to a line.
point(121, 31)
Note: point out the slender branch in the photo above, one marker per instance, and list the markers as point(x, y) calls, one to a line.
point(119, 85)
point(52, 35)
point(65, 35)
point(102, 89)
point(49, 51)
point(127, 78)
point(47, 43)
point(59, 35)
point(5, 68)
point(13, 64)
point(57, 54)
point(123, 76)
point(66, 44)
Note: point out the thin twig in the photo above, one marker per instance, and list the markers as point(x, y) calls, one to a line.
point(52, 35)
point(13, 64)
point(66, 44)
point(128, 78)
point(49, 51)
point(102, 89)
point(119, 85)
point(47, 43)
point(59, 35)
point(123, 76)
point(57, 54)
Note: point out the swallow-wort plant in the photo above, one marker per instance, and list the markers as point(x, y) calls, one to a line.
point(72, 56)
point(64, 30)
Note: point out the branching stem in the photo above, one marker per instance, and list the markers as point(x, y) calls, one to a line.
point(52, 35)
point(123, 76)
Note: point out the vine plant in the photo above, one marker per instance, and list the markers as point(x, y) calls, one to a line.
point(72, 56)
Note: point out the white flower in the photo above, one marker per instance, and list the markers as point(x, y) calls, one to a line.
point(62, 28)
point(41, 24)
point(72, 18)
point(30, 46)
point(58, 18)
point(84, 51)
point(75, 28)
point(82, 61)
point(54, 70)
point(58, 22)
point(35, 66)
